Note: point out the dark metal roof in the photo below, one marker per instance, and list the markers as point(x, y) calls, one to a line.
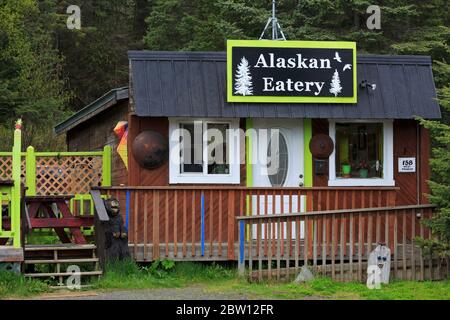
point(193, 84)
point(101, 104)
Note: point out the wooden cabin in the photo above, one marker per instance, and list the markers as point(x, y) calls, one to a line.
point(181, 210)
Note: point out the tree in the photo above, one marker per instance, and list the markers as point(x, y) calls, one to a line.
point(243, 81)
point(31, 84)
point(335, 84)
point(440, 183)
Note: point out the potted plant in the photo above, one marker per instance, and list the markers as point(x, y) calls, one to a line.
point(346, 168)
point(363, 169)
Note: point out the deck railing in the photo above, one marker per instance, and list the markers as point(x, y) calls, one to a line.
point(198, 222)
point(337, 243)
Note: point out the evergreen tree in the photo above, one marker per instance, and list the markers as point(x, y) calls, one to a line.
point(31, 84)
point(243, 81)
point(335, 85)
point(440, 182)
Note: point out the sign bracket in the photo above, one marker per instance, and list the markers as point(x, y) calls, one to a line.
point(276, 28)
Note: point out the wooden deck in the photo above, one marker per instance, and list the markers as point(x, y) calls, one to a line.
point(338, 242)
point(180, 221)
point(266, 231)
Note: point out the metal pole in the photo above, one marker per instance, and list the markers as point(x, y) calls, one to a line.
point(274, 21)
point(275, 25)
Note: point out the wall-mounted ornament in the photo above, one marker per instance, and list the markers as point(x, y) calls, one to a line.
point(150, 149)
point(121, 130)
point(321, 146)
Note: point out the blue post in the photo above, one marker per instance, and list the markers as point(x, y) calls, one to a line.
point(241, 247)
point(127, 209)
point(203, 225)
point(242, 243)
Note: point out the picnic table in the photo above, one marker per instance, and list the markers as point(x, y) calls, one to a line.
point(54, 212)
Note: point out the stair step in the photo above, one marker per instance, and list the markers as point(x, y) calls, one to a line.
point(82, 286)
point(61, 261)
point(60, 247)
point(62, 274)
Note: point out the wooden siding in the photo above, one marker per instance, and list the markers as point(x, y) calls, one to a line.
point(98, 132)
point(160, 176)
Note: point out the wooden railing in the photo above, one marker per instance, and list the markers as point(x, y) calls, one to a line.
point(337, 243)
point(198, 222)
point(101, 221)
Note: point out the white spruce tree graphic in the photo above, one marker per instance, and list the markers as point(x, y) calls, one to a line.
point(243, 81)
point(335, 84)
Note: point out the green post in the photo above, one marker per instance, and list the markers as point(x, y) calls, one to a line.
point(106, 173)
point(308, 159)
point(249, 168)
point(31, 171)
point(307, 129)
point(15, 192)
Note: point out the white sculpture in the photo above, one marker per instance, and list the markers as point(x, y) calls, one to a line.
point(379, 266)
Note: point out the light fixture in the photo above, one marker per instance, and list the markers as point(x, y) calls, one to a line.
point(365, 84)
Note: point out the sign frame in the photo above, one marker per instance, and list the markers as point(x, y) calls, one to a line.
point(403, 168)
point(289, 44)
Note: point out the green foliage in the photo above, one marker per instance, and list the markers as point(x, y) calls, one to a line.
point(13, 285)
point(161, 273)
point(408, 27)
point(440, 184)
point(31, 83)
point(160, 268)
point(96, 56)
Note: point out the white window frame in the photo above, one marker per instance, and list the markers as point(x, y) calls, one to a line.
point(175, 174)
point(388, 158)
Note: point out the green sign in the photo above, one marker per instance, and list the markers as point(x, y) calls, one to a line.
point(291, 71)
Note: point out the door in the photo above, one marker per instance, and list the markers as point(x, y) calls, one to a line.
point(279, 165)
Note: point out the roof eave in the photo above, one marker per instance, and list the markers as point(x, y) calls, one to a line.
point(104, 102)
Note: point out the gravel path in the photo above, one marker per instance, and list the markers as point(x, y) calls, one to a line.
point(189, 293)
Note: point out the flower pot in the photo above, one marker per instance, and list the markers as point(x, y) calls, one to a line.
point(346, 168)
point(363, 173)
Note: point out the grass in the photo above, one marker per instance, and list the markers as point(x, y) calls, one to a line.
point(217, 278)
point(327, 289)
point(128, 275)
point(16, 286)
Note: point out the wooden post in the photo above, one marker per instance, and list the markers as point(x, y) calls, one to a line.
point(231, 216)
point(155, 213)
point(241, 266)
point(101, 218)
point(15, 192)
point(106, 166)
point(30, 172)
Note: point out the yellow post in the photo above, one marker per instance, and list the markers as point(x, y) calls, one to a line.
point(15, 192)
point(30, 171)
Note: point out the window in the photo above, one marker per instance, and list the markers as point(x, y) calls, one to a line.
point(363, 153)
point(191, 147)
point(278, 177)
point(204, 151)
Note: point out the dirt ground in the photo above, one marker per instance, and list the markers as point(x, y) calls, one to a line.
point(188, 293)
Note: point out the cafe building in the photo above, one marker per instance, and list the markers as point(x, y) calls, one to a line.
point(268, 127)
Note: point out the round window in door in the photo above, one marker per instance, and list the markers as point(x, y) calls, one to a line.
point(277, 167)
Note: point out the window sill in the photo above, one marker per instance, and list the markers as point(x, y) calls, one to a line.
point(201, 179)
point(361, 183)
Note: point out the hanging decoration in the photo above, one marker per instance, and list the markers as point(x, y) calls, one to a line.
point(121, 130)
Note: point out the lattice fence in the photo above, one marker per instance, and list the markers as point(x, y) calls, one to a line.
point(6, 168)
point(67, 174)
